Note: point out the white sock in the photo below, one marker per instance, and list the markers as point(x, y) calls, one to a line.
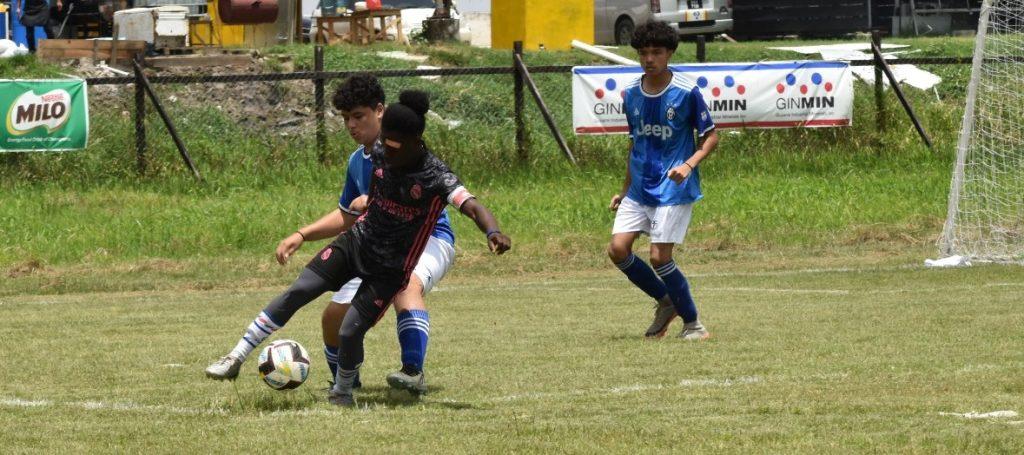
point(261, 328)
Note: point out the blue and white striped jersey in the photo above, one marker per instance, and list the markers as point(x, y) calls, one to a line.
point(662, 127)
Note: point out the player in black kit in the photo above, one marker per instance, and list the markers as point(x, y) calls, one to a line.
point(408, 189)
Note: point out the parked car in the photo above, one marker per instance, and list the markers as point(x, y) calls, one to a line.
point(615, 20)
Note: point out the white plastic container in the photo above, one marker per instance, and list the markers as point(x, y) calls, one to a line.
point(163, 26)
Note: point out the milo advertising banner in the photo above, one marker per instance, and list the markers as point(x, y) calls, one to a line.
point(44, 115)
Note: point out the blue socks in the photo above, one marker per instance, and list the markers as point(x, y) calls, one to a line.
point(331, 353)
point(413, 332)
point(679, 289)
point(642, 276)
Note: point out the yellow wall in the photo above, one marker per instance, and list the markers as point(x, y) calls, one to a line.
point(223, 34)
point(551, 23)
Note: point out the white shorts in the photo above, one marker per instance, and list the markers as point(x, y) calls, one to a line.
point(665, 224)
point(437, 258)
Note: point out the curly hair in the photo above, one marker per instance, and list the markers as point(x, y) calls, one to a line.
point(655, 34)
point(360, 90)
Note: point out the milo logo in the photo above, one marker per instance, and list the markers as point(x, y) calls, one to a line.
point(30, 111)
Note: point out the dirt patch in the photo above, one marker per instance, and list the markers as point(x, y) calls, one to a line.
point(24, 269)
point(283, 108)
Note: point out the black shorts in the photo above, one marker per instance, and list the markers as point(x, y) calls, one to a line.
point(341, 261)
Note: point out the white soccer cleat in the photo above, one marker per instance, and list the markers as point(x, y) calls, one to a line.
point(694, 331)
point(224, 368)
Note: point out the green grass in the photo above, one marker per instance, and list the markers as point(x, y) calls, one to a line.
point(117, 289)
point(802, 361)
point(813, 189)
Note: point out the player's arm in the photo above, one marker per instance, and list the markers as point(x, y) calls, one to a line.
point(329, 225)
point(706, 142)
point(496, 240)
point(351, 204)
point(617, 199)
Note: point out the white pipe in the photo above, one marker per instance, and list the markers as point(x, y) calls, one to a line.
point(113, 70)
point(603, 53)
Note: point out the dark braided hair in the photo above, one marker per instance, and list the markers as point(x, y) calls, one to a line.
point(408, 115)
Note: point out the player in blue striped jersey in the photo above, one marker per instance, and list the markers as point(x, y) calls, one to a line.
point(664, 111)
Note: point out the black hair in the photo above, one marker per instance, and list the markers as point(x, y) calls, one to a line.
point(360, 90)
point(408, 115)
point(655, 34)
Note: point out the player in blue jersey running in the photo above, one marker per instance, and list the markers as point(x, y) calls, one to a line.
point(663, 110)
point(360, 99)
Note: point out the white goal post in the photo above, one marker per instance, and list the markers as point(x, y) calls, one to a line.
point(985, 219)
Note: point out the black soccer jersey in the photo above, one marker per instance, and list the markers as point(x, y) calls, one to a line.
point(403, 208)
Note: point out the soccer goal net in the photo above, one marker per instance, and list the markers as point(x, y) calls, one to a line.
point(985, 221)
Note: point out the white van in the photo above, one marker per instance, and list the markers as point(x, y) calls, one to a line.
point(615, 20)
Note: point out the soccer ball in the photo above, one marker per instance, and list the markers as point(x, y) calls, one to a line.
point(284, 364)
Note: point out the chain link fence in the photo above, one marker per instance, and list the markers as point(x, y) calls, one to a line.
point(264, 116)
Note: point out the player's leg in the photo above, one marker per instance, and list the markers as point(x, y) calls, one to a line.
point(330, 322)
point(307, 287)
point(328, 269)
point(630, 220)
point(368, 305)
point(671, 224)
point(413, 319)
point(413, 333)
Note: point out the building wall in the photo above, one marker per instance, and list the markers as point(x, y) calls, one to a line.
point(541, 23)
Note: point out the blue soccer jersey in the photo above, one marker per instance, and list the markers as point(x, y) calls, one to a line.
point(357, 183)
point(662, 128)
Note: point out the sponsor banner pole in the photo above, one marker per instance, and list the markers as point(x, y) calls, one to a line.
point(44, 115)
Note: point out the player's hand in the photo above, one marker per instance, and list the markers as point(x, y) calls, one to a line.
point(288, 246)
point(616, 200)
point(679, 173)
point(499, 243)
point(360, 204)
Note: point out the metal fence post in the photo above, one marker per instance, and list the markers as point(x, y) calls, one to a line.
point(321, 134)
point(140, 122)
point(876, 39)
point(701, 49)
point(517, 76)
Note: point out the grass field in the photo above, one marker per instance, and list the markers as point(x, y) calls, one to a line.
point(803, 359)
point(117, 289)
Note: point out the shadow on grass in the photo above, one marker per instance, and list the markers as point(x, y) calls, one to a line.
point(367, 397)
point(386, 396)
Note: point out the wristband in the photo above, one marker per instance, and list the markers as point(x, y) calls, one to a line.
point(688, 165)
point(301, 235)
point(491, 232)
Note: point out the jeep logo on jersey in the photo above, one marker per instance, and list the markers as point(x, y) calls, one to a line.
point(659, 131)
point(30, 111)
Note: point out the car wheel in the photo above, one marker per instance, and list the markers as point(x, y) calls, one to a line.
point(623, 31)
